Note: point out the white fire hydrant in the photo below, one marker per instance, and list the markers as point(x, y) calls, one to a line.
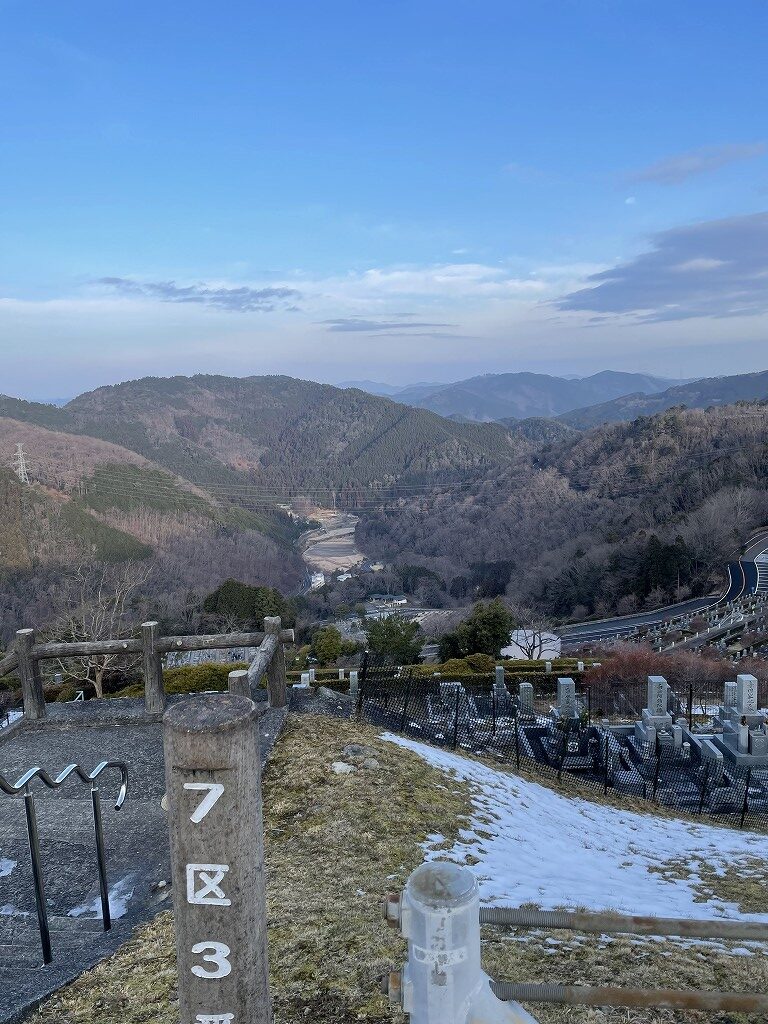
point(443, 981)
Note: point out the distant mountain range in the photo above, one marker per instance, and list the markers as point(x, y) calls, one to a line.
point(699, 394)
point(501, 396)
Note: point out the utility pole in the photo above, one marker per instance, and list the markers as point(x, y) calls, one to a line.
point(20, 464)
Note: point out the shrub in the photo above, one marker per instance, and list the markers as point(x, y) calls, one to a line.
point(191, 679)
point(481, 662)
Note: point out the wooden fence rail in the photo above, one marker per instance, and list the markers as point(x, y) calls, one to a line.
point(269, 660)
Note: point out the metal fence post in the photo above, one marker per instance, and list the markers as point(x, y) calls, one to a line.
point(703, 792)
point(517, 738)
point(456, 720)
point(657, 771)
point(406, 699)
point(29, 674)
point(213, 783)
point(745, 805)
point(152, 663)
point(690, 707)
point(363, 678)
point(605, 767)
point(276, 683)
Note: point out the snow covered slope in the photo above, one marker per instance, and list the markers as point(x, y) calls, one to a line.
point(536, 846)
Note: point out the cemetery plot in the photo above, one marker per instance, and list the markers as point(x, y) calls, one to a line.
point(656, 756)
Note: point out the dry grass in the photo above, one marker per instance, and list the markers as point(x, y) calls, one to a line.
point(571, 959)
point(745, 883)
point(335, 844)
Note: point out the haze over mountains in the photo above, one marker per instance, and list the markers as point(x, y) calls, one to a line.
point(195, 473)
point(699, 394)
point(496, 396)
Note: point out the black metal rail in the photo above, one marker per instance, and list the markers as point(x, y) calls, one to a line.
point(22, 788)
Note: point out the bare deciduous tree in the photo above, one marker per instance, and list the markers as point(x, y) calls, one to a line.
point(534, 632)
point(96, 604)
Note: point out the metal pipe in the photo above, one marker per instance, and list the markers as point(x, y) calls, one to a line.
point(630, 924)
point(101, 860)
point(37, 876)
point(598, 995)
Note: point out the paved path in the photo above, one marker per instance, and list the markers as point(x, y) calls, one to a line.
point(136, 840)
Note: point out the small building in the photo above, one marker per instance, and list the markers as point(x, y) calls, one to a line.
point(316, 580)
point(344, 576)
point(388, 599)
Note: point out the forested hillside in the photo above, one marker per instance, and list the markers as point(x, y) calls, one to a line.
point(284, 434)
point(698, 394)
point(95, 502)
point(614, 519)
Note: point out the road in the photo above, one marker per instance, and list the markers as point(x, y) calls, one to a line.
point(742, 580)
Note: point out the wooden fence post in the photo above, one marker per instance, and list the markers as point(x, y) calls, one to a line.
point(152, 662)
point(29, 673)
point(276, 685)
point(213, 782)
point(238, 682)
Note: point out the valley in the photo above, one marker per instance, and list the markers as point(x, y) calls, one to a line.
point(196, 474)
point(332, 547)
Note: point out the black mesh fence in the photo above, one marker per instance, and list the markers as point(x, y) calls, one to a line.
point(596, 746)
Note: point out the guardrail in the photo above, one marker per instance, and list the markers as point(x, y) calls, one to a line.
point(22, 786)
point(269, 660)
point(443, 982)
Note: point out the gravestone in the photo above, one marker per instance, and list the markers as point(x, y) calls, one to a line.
point(525, 691)
point(353, 682)
point(744, 739)
point(566, 698)
point(746, 694)
point(656, 726)
point(658, 696)
point(729, 695)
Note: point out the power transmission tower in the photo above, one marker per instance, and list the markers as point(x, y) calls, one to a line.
point(20, 464)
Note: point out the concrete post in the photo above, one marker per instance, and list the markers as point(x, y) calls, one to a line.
point(443, 982)
point(213, 784)
point(152, 663)
point(353, 683)
point(238, 683)
point(500, 675)
point(341, 675)
point(276, 681)
point(29, 674)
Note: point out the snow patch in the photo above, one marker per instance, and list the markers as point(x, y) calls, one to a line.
point(6, 867)
point(539, 847)
point(119, 895)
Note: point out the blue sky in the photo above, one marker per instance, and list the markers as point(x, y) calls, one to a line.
point(398, 190)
